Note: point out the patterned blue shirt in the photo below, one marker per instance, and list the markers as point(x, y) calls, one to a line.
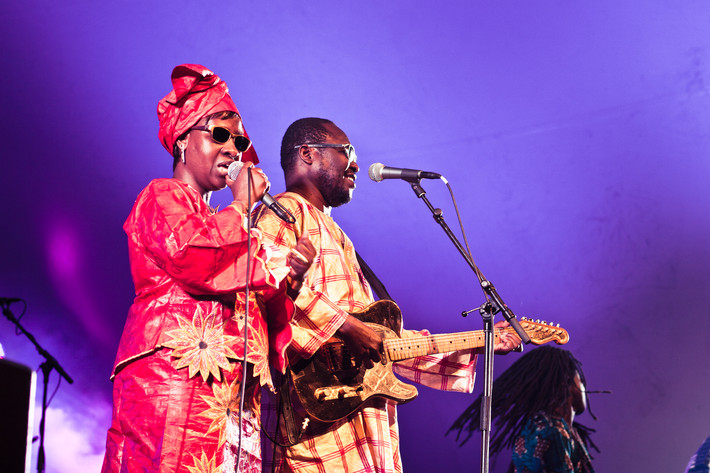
point(549, 445)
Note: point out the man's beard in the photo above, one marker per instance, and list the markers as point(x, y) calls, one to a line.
point(333, 190)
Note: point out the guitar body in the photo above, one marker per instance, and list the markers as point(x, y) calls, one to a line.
point(331, 386)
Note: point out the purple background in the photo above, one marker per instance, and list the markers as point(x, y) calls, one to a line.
point(576, 137)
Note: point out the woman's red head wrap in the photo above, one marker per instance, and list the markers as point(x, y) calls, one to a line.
point(197, 92)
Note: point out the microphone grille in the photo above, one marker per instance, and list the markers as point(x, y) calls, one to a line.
point(234, 168)
point(375, 171)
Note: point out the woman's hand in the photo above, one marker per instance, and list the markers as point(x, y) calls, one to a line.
point(240, 186)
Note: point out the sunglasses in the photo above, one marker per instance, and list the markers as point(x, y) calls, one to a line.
point(222, 135)
point(349, 149)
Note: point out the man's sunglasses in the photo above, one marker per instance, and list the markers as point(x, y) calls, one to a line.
point(222, 135)
point(349, 149)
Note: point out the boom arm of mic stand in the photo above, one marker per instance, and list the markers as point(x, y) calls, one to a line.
point(49, 359)
point(485, 284)
point(47, 366)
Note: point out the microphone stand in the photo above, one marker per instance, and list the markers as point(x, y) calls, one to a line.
point(47, 366)
point(494, 304)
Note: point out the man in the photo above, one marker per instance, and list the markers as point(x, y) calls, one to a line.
point(320, 166)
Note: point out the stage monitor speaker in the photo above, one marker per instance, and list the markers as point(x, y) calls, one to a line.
point(17, 399)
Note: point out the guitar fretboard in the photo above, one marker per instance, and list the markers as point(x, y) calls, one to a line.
point(405, 348)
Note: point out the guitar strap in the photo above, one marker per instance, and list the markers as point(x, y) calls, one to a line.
point(285, 412)
point(285, 406)
point(377, 286)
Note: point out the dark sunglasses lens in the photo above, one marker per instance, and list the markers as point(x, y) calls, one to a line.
point(242, 143)
point(220, 135)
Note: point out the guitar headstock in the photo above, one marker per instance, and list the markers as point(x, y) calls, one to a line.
point(542, 332)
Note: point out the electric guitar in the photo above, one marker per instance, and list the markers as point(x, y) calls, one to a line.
point(331, 385)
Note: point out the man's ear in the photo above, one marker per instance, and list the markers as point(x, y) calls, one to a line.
point(305, 154)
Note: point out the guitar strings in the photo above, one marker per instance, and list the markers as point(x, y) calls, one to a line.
point(443, 343)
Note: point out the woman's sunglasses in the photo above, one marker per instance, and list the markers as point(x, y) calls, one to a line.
point(222, 135)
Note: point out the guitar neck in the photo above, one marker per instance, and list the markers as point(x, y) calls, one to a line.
point(405, 348)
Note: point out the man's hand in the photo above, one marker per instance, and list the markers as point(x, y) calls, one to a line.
point(301, 257)
point(508, 341)
point(366, 345)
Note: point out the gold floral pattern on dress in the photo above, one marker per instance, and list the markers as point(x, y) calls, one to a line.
point(257, 344)
point(223, 406)
point(257, 357)
point(204, 465)
point(202, 346)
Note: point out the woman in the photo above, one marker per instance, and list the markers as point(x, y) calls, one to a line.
point(534, 404)
point(178, 379)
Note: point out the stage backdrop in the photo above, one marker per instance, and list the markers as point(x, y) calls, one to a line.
point(575, 136)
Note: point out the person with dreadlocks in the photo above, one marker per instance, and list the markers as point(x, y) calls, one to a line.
point(533, 409)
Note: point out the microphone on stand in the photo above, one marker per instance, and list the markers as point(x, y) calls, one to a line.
point(266, 199)
point(379, 171)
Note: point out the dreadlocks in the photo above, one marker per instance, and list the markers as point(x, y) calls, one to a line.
point(540, 381)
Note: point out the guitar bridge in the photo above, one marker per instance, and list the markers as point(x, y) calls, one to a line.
point(332, 393)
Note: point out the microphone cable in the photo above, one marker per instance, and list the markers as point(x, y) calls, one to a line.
point(242, 389)
point(478, 272)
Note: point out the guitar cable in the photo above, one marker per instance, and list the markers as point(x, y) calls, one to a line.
point(284, 399)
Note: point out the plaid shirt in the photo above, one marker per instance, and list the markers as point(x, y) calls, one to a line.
point(367, 440)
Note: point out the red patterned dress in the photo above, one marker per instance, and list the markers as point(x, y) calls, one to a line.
point(177, 377)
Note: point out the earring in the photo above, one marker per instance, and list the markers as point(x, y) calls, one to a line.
point(182, 154)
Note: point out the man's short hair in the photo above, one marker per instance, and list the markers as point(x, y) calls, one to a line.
point(302, 131)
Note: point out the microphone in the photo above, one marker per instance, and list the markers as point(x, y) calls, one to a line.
point(379, 171)
point(266, 199)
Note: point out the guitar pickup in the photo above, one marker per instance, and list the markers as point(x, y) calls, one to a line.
point(332, 393)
